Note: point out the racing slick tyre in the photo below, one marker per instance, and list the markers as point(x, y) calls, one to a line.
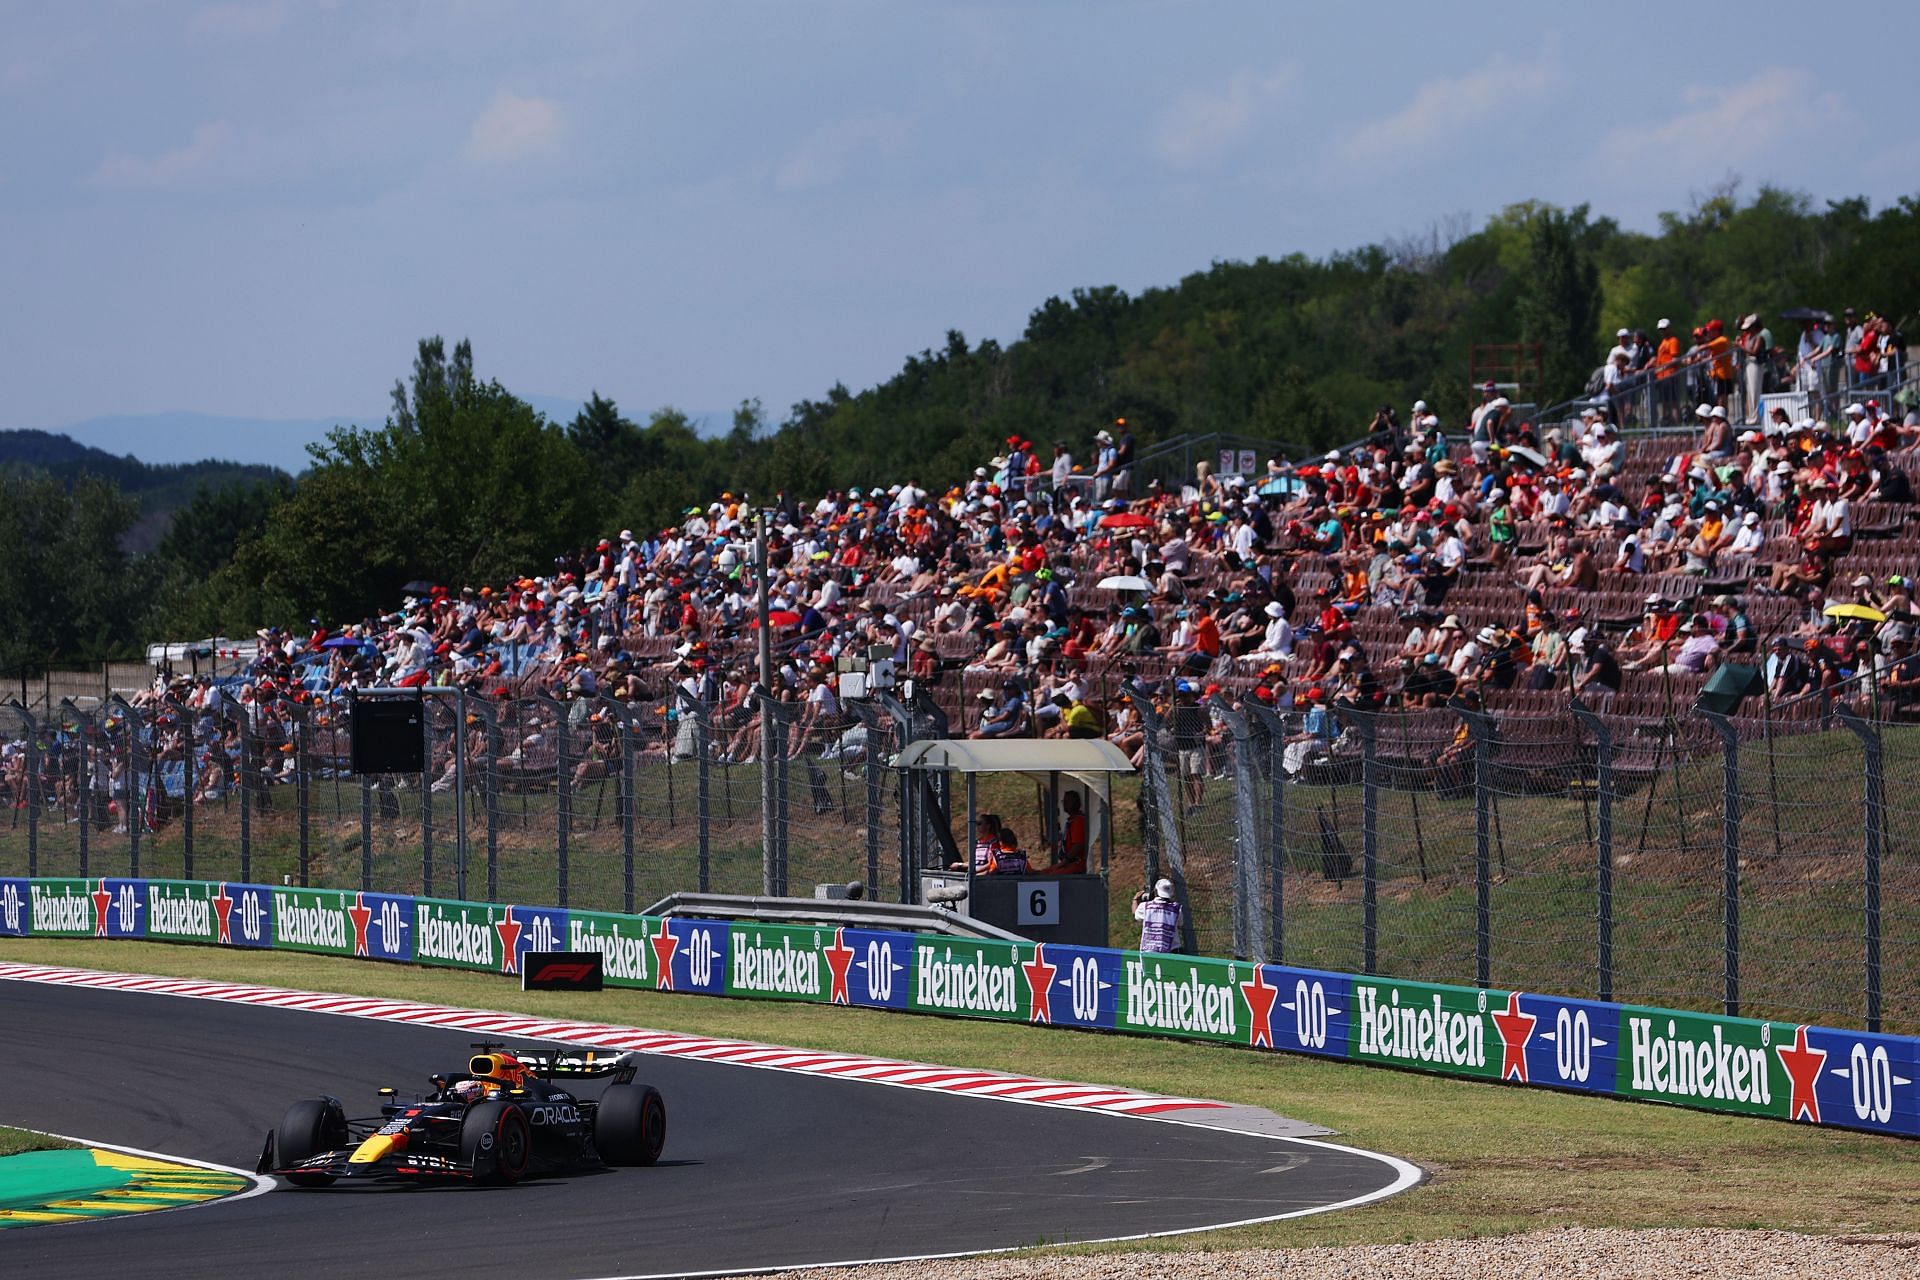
point(309, 1127)
point(495, 1140)
point(630, 1126)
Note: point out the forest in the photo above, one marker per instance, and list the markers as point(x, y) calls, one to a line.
point(465, 483)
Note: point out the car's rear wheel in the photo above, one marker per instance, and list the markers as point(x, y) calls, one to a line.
point(309, 1127)
point(630, 1126)
point(495, 1140)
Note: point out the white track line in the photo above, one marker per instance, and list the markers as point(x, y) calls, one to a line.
point(996, 1086)
point(261, 1183)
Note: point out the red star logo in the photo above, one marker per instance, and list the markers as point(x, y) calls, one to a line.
point(509, 931)
point(1260, 998)
point(839, 960)
point(1803, 1066)
point(223, 909)
point(1515, 1028)
point(1040, 983)
point(361, 914)
point(101, 901)
point(664, 945)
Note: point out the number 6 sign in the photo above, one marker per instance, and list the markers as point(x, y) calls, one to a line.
point(1039, 903)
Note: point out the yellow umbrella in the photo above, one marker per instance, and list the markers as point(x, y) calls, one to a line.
point(1864, 612)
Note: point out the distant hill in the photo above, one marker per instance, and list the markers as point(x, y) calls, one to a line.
point(160, 488)
point(181, 437)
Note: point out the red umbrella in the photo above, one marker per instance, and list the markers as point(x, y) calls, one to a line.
point(1126, 520)
point(780, 618)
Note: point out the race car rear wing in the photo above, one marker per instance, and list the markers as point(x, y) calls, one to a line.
point(620, 1067)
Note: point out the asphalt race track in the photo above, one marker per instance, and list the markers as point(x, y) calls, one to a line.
point(762, 1168)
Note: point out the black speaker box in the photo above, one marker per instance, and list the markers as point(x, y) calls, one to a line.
point(387, 735)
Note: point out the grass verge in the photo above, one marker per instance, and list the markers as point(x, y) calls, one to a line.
point(15, 1141)
point(1502, 1159)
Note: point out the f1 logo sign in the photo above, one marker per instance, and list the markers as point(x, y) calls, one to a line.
point(561, 971)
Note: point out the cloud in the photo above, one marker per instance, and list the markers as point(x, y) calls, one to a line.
point(831, 151)
point(1445, 107)
point(169, 168)
point(513, 128)
point(256, 19)
point(1749, 121)
point(1201, 124)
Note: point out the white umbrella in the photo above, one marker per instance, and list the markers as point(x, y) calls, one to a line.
point(1536, 458)
point(1125, 582)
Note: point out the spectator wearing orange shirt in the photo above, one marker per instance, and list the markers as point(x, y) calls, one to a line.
point(1666, 364)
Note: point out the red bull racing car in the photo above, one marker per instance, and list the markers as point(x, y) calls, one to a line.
point(504, 1118)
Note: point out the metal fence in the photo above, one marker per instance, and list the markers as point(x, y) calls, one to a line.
point(589, 803)
point(1751, 864)
point(1756, 864)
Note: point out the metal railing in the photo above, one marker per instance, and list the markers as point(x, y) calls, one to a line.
point(1629, 850)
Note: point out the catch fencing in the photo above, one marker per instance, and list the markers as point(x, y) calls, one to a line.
point(1757, 864)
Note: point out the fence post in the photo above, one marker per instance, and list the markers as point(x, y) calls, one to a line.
point(429, 708)
point(562, 790)
point(1874, 843)
point(869, 716)
point(1729, 858)
point(131, 812)
point(489, 717)
point(703, 783)
point(1248, 901)
point(912, 821)
point(1276, 729)
point(303, 790)
point(1480, 727)
point(186, 794)
point(33, 787)
point(1364, 725)
point(1603, 844)
point(1158, 806)
point(241, 771)
point(84, 736)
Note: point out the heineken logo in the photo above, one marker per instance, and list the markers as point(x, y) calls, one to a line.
point(60, 912)
point(183, 917)
point(1423, 1033)
point(620, 956)
point(971, 985)
point(783, 970)
point(1180, 1004)
point(308, 924)
point(463, 941)
point(10, 912)
point(1706, 1067)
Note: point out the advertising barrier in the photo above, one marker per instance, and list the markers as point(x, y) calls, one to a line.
point(1781, 1070)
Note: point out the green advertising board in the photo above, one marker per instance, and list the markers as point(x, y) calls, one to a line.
point(780, 962)
point(62, 908)
point(1429, 1027)
point(312, 920)
point(1195, 998)
point(462, 935)
point(960, 976)
point(181, 911)
point(624, 943)
point(1728, 1064)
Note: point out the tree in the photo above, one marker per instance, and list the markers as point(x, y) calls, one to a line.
point(68, 591)
point(1559, 303)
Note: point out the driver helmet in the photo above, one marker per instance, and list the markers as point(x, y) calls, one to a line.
point(468, 1091)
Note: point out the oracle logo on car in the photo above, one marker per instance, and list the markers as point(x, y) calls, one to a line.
point(561, 971)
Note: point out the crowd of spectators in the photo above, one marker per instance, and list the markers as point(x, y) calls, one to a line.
point(1482, 559)
point(1654, 378)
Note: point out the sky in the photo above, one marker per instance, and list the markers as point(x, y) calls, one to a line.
point(255, 210)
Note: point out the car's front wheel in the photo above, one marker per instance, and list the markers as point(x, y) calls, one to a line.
point(495, 1140)
point(309, 1127)
point(630, 1125)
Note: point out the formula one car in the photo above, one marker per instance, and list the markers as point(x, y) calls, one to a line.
point(502, 1119)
